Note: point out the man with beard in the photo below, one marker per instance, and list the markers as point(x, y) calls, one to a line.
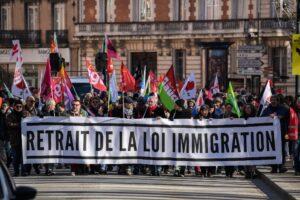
point(14, 132)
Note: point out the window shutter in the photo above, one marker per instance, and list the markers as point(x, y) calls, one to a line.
point(235, 8)
point(102, 10)
point(176, 10)
point(201, 9)
point(135, 10)
point(272, 9)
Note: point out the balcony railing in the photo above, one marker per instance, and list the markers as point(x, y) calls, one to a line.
point(236, 26)
point(62, 37)
point(26, 37)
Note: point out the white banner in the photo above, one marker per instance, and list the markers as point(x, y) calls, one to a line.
point(93, 140)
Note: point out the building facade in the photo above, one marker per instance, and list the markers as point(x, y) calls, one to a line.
point(34, 22)
point(200, 36)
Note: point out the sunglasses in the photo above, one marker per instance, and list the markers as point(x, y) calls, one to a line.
point(76, 104)
point(19, 106)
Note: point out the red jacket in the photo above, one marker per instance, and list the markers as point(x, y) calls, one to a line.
point(293, 125)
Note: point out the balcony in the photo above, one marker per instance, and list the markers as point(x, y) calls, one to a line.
point(27, 38)
point(227, 28)
point(62, 37)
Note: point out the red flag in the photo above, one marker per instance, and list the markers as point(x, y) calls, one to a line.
point(57, 88)
point(46, 90)
point(110, 66)
point(179, 84)
point(94, 78)
point(128, 81)
point(111, 51)
point(153, 81)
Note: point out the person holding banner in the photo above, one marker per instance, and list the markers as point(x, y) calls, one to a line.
point(204, 114)
point(154, 111)
point(31, 111)
point(14, 133)
point(229, 170)
point(180, 112)
point(128, 113)
point(95, 109)
point(249, 111)
point(277, 110)
point(49, 110)
point(77, 111)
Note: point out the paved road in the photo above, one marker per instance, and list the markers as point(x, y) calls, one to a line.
point(63, 186)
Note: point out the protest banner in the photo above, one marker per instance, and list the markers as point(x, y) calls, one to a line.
point(93, 140)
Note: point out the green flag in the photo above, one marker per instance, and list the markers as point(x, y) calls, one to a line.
point(167, 90)
point(9, 94)
point(232, 100)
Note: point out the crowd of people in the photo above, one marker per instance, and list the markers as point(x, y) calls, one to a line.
point(13, 110)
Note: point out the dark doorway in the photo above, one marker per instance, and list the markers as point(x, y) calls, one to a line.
point(141, 59)
point(216, 64)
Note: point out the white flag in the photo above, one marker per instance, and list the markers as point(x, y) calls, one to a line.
point(215, 88)
point(20, 87)
point(265, 100)
point(16, 53)
point(188, 90)
point(113, 88)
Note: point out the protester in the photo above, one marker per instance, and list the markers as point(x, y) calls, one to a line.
point(275, 109)
point(249, 111)
point(30, 111)
point(14, 131)
point(180, 112)
point(49, 110)
point(77, 111)
point(229, 170)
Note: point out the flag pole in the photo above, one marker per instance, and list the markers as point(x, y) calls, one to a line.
point(123, 104)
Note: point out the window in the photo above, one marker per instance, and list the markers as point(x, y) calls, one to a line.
point(142, 10)
point(281, 8)
point(239, 9)
point(209, 9)
point(179, 63)
point(5, 17)
point(32, 18)
point(279, 62)
point(213, 8)
point(59, 16)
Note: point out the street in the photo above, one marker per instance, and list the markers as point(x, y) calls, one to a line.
point(64, 186)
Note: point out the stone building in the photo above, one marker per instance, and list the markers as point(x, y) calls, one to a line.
point(200, 36)
point(33, 22)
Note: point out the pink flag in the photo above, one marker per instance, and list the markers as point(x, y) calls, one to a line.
point(46, 86)
point(57, 89)
point(200, 99)
point(215, 88)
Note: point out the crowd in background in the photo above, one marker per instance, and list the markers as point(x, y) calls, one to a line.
point(134, 106)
